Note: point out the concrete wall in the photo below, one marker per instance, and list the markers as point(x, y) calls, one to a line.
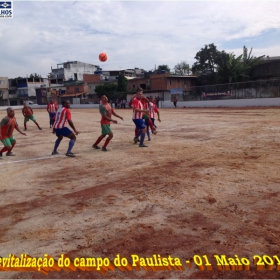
point(261, 102)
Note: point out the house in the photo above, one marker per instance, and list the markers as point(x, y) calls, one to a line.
point(75, 91)
point(268, 68)
point(112, 75)
point(22, 89)
point(165, 84)
point(92, 81)
point(71, 70)
point(4, 91)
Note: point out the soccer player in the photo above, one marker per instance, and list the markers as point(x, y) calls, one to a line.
point(28, 115)
point(7, 126)
point(106, 112)
point(137, 115)
point(52, 109)
point(62, 116)
point(152, 110)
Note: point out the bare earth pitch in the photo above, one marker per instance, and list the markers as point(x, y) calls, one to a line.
point(207, 184)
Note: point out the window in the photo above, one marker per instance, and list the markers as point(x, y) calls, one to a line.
point(76, 89)
point(2, 82)
point(170, 82)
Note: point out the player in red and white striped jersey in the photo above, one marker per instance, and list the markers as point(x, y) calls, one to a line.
point(137, 115)
point(52, 108)
point(63, 116)
point(152, 110)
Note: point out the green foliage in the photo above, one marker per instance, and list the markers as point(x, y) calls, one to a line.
point(163, 67)
point(122, 83)
point(108, 89)
point(182, 68)
point(206, 59)
point(237, 69)
point(213, 66)
point(35, 76)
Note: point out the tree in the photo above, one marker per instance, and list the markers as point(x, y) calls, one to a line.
point(122, 83)
point(237, 69)
point(108, 89)
point(207, 59)
point(249, 60)
point(182, 68)
point(163, 67)
point(232, 69)
point(35, 76)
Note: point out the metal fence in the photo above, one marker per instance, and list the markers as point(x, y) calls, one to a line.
point(245, 90)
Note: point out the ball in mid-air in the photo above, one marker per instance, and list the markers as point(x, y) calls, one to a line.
point(103, 57)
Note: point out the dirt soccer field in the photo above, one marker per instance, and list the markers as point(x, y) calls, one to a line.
point(208, 184)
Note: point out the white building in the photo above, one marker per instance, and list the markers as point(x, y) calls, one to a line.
point(71, 70)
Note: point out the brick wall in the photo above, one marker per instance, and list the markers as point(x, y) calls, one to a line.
point(132, 85)
point(90, 78)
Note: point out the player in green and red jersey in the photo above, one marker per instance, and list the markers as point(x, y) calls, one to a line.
point(7, 126)
point(106, 112)
point(28, 115)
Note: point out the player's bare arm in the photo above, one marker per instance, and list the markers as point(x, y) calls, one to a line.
point(158, 117)
point(108, 119)
point(18, 129)
point(72, 126)
point(116, 115)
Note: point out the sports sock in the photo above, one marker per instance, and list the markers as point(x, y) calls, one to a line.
point(136, 132)
point(148, 133)
point(57, 142)
point(4, 150)
point(151, 124)
point(142, 138)
point(37, 124)
point(98, 140)
point(71, 145)
point(11, 148)
point(106, 142)
point(25, 125)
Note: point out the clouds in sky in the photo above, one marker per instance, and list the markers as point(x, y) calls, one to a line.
point(133, 33)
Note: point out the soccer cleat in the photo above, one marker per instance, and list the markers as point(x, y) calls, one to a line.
point(55, 153)
point(136, 140)
point(25, 129)
point(10, 154)
point(142, 146)
point(154, 131)
point(40, 128)
point(149, 139)
point(70, 154)
point(0, 154)
point(95, 147)
point(104, 149)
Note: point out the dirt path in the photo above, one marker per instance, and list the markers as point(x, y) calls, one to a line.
point(208, 184)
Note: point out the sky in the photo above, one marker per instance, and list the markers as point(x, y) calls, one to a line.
point(134, 34)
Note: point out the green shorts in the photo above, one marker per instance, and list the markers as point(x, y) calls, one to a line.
point(105, 129)
point(30, 118)
point(7, 142)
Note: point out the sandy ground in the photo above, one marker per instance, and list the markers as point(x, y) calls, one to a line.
point(207, 184)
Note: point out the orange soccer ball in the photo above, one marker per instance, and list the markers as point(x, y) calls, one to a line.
point(103, 57)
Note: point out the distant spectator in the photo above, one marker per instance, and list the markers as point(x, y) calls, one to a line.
point(123, 104)
point(175, 101)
